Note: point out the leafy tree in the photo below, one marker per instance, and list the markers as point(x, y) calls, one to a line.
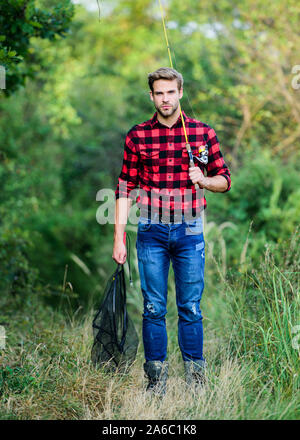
point(20, 20)
point(62, 135)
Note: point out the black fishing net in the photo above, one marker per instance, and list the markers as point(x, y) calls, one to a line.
point(115, 338)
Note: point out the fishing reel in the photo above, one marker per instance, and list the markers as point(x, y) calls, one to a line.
point(203, 154)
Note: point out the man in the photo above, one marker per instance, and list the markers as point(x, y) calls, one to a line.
point(170, 226)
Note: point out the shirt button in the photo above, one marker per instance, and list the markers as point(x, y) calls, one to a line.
point(169, 177)
point(170, 145)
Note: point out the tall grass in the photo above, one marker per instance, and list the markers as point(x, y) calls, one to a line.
point(253, 365)
point(265, 310)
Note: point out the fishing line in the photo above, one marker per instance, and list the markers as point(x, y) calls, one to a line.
point(171, 63)
point(187, 145)
point(99, 9)
point(185, 91)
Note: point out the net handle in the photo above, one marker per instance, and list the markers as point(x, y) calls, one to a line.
point(126, 241)
point(120, 272)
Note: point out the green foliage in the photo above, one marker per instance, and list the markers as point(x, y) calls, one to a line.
point(265, 198)
point(16, 273)
point(265, 307)
point(62, 136)
point(16, 380)
point(20, 20)
point(61, 140)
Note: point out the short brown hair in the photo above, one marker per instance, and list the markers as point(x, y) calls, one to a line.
point(165, 73)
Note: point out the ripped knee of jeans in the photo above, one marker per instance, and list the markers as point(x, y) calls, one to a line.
point(150, 307)
point(190, 311)
point(154, 311)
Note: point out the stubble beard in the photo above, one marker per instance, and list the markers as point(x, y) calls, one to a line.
point(166, 114)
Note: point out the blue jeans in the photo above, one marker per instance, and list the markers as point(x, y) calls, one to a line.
point(183, 244)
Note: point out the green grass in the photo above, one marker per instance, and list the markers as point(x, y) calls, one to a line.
point(253, 364)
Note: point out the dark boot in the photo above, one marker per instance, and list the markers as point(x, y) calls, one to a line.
point(157, 373)
point(195, 372)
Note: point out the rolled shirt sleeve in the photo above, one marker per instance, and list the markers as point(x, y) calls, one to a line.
point(129, 176)
point(216, 165)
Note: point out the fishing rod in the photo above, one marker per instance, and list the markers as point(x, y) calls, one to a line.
point(202, 151)
point(187, 144)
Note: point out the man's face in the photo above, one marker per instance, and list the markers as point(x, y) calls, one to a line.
point(166, 96)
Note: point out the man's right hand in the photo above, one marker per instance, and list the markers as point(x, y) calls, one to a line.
point(119, 252)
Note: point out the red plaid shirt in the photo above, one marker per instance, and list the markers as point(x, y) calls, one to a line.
point(156, 160)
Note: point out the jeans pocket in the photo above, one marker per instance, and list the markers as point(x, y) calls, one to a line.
point(144, 226)
point(194, 227)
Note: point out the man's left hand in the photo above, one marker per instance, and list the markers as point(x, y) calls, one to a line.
point(197, 176)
